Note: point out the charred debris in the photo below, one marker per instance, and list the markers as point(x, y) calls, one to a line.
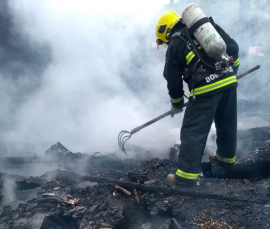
point(104, 191)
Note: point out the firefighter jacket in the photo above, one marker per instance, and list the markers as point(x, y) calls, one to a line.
point(180, 62)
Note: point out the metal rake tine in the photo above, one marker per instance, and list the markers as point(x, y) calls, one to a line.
point(120, 135)
point(122, 139)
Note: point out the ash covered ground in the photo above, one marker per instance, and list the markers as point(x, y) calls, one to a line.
point(105, 191)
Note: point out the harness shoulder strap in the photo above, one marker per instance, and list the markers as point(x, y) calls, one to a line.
point(176, 34)
point(179, 34)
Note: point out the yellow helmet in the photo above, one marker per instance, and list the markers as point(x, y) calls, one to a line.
point(166, 21)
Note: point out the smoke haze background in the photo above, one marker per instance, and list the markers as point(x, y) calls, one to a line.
point(101, 75)
point(96, 84)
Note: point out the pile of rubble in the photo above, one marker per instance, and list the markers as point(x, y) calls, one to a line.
point(104, 191)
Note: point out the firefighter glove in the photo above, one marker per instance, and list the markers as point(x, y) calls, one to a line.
point(177, 106)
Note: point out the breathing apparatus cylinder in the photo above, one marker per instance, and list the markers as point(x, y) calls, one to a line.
point(204, 32)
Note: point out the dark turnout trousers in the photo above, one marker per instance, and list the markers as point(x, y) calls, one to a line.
point(199, 116)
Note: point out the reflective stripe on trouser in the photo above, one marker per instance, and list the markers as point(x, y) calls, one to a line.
point(213, 86)
point(198, 118)
point(236, 62)
point(226, 160)
point(191, 176)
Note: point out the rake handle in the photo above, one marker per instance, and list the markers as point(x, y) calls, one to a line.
point(239, 76)
point(135, 130)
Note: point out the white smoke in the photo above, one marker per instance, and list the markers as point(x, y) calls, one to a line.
point(97, 83)
point(8, 190)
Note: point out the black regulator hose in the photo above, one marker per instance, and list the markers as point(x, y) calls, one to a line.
point(193, 78)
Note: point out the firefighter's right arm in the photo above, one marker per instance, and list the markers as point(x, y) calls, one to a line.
point(173, 72)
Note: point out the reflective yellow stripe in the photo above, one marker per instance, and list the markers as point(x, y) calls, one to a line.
point(236, 63)
point(226, 160)
point(191, 176)
point(189, 57)
point(176, 100)
point(213, 86)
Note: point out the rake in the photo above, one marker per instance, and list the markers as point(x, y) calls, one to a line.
point(126, 135)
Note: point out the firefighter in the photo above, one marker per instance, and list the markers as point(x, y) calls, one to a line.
point(212, 96)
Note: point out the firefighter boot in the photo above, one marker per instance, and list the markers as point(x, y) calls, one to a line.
point(180, 181)
point(219, 168)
